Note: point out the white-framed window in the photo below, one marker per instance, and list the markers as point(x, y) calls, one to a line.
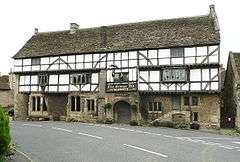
point(155, 107)
point(172, 75)
point(77, 79)
point(177, 52)
point(121, 77)
point(35, 61)
point(43, 79)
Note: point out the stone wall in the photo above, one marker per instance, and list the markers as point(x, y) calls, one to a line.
point(21, 106)
point(229, 110)
point(6, 98)
point(85, 115)
point(21, 100)
point(208, 109)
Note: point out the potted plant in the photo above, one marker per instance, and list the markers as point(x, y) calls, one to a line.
point(108, 106)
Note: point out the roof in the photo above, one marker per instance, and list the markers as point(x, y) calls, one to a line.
point(4, 82)
point(167, 33)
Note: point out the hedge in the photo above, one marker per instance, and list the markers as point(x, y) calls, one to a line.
point(5, 137)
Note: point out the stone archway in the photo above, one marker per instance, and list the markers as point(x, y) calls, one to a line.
point(122, 112)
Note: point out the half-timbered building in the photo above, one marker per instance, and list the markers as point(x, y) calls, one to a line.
point(167, 69)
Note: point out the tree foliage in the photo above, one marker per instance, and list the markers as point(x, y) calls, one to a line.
point(5, 137)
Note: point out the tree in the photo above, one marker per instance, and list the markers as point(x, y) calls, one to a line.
point(5, 137)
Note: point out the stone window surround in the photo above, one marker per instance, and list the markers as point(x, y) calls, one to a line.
point(41, 112)
point(75, 103)
point(86, 106)
point(83, 104)
point(198, 103)
point(153, 111)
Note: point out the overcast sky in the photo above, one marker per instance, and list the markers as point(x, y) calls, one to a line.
point(18, 18)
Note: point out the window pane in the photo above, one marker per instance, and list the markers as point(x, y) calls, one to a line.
point(72, 103)
point(33, 103)
point(35, 61)
point(194, 100)
point(177, 52)
point(44, 104)
point(38, 103)
point(186, 100)
point(78, 104)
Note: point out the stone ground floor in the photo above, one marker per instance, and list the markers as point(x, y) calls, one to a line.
point(119, 107)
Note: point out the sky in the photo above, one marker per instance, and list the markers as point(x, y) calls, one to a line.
point(18, 18)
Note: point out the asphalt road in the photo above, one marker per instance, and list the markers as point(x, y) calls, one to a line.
point(70, 142)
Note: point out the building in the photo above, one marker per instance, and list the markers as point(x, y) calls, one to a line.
point(6, 94)
point(230, 112)
point(168, 69)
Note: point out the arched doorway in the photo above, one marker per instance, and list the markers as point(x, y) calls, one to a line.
point(122, 112)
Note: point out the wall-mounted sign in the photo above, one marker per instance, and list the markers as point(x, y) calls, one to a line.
point(118, 87)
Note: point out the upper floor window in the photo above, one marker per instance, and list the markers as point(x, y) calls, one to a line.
point(35, 61)
point(120, 77)
point(155, 106)
point(174, 75)
point(177, 52)
point(43, 80)
point(81, 79)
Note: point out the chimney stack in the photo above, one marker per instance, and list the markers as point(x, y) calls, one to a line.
point(212, 9)
point(35, 31)
point(214, 16)
point(73, 27)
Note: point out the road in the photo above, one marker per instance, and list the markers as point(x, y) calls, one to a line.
point(81, 142)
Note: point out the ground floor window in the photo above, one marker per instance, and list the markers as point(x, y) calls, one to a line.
point(195, 116)
point(193, 101)
point(75, 103)
point(91, 105)
point(39, 103)
point(155, 107)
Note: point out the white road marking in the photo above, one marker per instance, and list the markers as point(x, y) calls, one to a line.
point(142, 149)
point(32, 125)
point(226, 147)
point(89, 135)
point(236, 142)
point(61, 129)
point(23, 154)
point(211, 138)
point(190, 139)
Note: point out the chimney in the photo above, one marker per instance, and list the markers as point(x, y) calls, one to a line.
point(35, 31)
point(212, 9)
point(214, 16)
point(73, 27)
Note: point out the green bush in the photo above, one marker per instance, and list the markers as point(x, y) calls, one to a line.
point(194, 126)
point(5, 137)
point(108, 106)
point(133, 123)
